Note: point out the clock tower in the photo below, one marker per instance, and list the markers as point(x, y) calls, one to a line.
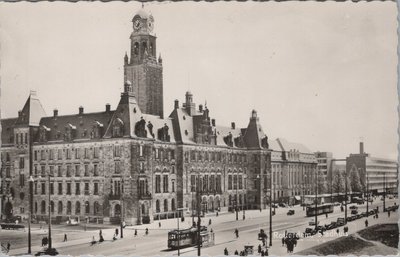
point(142, 68)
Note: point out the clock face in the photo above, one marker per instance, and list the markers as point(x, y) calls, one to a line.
point(137, 25)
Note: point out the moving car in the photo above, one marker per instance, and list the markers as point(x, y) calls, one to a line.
point(354, 212)
point(353, 207)
point(340, 222)
point(309, 232)
point(332, 225)
point(290, 212)
point(47, 251)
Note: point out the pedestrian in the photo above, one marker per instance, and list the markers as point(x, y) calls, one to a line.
point(211, 231)
point(366, 223)
point(260, 209)
point(236, 252)
point(65, 237)
point(259, 248)
point(244, 217)
point(147, 231)
point(8, 246)
point(209, 222)
point(326, 215)
point(217, 214)
point(226, 251)
point(236, 233)
point(266, 252)
point(376, 215)
point(100, 233)
point(159, 224)
point(388, 214)
point(114, 237)
point(101, 239)
point(116, 232)
point(337, 231)
point(283, 241)
point(262, 253)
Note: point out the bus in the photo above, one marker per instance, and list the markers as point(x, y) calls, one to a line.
point(186, 237)
point(321, 209)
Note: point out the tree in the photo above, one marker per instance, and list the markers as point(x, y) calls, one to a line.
point(338, 183)
point(355, 183)
point(322, 185)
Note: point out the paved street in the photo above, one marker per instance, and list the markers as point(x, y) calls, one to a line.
point(223, 226)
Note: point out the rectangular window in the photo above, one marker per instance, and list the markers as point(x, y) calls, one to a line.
point(86, 153)
point(68, 153)
point(43, 170)
point(240, 182)
point(68, 188)
point(156, 153)
point(158, 184)
point(192, 183)
point(219, 188)
point(35, 154)
point(52, 188)
point(229, 182)
point(60, 188)
point(96, 152)
point(141, 167)
point(21, 162)
point(86, 188)
point(77, 188)
point(52, 171)
point(22, 179)
point(172, 155)
point(165, 183)
point(59, 154)
point(117, 167)
point(68, 170)
point(35, 189)
point(96, 188)
point(77, 155)
point(86, 170)
point(77, 170)
point(117, 151)
point(43, 187)
point(51, 154)
point(59, 171)
point(95, 170)
point(42, 157)
point(173, 186)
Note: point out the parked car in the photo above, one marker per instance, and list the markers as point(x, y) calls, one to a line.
point(336, 204)
point(364, 214)
point(274, 205)
point(340, 222)
point(354, 212)
point(353, 207)
point(290, 212)
point(47, 251)
point(282, 204)
point(331, 225)
point(309, 232)
point(72, 222)
point(320, 228)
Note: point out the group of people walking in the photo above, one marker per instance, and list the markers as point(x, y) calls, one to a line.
point(290, 240)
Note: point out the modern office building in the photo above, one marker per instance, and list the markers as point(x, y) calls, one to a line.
point(380, 173)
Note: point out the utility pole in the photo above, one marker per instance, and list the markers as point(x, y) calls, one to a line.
point(384, 192)
point(316, 199)
point(345, 200)
point(270, 208)
point(367, 196)
point(50, 244)
point(30, 190)
point(122, 207)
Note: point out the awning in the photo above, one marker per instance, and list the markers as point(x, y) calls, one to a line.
point(297, 197)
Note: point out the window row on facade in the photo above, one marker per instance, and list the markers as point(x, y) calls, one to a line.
point(70, 170)
point(57, 154)
point(69, 208)
point(67, 188)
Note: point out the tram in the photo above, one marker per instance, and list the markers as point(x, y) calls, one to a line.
point(186, 237)
point(321, 209)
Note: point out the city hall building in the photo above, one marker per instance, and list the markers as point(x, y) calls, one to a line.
point(133, 162)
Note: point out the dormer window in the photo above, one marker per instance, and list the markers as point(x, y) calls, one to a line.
point(118, 128)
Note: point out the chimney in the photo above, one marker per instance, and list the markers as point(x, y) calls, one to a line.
point(200, 108)
point(233, 125)
point(55, 113)
point(108, 107)
point(213, 122)
point(176, 105)
point(361, 147)
point(80, 110)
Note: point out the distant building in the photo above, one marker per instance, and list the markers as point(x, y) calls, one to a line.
point(324, 160)
point(382, 174)
point(293, 168)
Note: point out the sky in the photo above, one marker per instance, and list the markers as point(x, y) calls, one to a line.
point(320, 74)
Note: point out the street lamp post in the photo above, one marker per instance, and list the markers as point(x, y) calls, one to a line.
point(316, 199)
point(270, 203)
point(237, 197)
point(198, 216)
point(345, 200)
point(367, 196)
point(384, 192)
point(122, 207)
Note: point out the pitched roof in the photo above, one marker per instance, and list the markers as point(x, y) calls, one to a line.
point(287, 146)
point(32, 112)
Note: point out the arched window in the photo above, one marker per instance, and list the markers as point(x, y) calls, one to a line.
point(117, 210)
point(118, 128)
point(96, 208)
point(143, 209)
point(165, 205)
point(87, 207)
point(158, 206)
point(173, 204)
point(144, 47)
point(78, 208)
point(60, 207)
point(43, 207)
point(69, 207)
point(52, 207)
